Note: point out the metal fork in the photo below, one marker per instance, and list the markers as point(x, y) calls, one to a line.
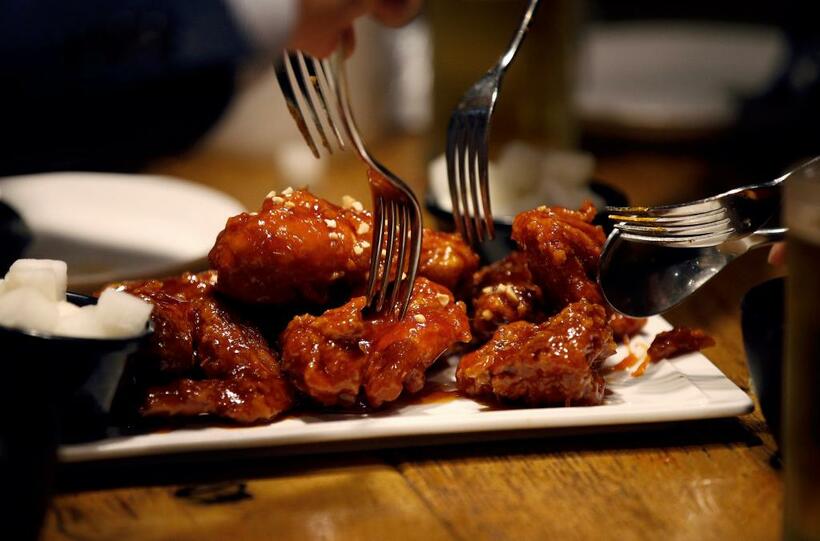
point(467, 139)
point(705, 222)
point(319, 88)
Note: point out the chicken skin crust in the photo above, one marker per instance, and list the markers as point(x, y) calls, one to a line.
point(340, 358)
point(301, 250)
point(555, 363)
point(204, 359)
point(562, 248)
point(504, 292)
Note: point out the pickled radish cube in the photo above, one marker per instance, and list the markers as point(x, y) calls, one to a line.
point(46, 275)
point(122, 314)
point(27, 308)
point(66, 309)
point(84, 322)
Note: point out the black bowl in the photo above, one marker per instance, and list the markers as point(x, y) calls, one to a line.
point(502, 244)
point(57, 390)
point(762, 321)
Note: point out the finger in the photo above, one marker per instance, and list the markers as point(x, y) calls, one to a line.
point(396, 12)
point(777, 254)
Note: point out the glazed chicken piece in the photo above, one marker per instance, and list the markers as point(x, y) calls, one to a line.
point(504, 292)
point(678, 341)
point(554, 363)
point(297, 249)
point(339, 358)
point(302, 250)
point(202, 358)
point(562, 249)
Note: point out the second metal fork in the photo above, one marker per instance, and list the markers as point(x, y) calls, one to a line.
point(467, 139)
point(320, 89)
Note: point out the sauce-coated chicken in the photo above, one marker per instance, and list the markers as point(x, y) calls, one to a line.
point(553, 363)
point(340, 358)
point(302, 250)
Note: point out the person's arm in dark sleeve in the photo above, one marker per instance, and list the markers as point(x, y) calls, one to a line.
point(101, 83)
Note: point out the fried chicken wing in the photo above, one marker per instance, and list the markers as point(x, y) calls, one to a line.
point(297, 249)
point(677, 342)
point(202, 358)
point(302, 250)
point(504, 292)
point(339, 358)
point(562, 248)
point(447, 260)
point(552, 363)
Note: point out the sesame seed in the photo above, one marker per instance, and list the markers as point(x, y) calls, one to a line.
point(277, 199)
point(542, 208)
point(290, 205)
point(357, 249)
point(254, 214)
point(501, 288)
point(334, 236)
point(364, 244)
point(363, 228)
point(443, 299)
point(487, 290)
point(486, 314)
point(330, 223)
point(271, 193)
point(287, 191)
point(351, 203)
point(419, 318)
point(404, 276)
point(512, 295)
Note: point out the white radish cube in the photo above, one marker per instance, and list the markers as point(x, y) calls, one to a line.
point(122, 314)
point(82, 323)
point(27, 308)
point(46, 275)
point(66, 309)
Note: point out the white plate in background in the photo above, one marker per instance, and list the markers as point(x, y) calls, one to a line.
point(110, 226)
point(669, 76)
point(687, 388)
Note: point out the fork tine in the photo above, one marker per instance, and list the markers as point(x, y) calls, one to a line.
point(644, 219)
point(413, 262)
point(302, 81)
point(391, 213)
point(483, 174)
point(472, 157)
point(403, 219)
point(450, 154)
point(681, 209)
point(461, 156)
point(376, 248)
point(325, 92)
point(693, 241)
point(284, 76)
point(681, 230)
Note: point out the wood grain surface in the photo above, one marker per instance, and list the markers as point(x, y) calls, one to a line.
point(715, 479)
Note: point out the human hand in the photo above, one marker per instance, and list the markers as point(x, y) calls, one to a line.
point(777, 254)
point(323, 25)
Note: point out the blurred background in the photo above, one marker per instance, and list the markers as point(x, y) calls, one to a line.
point(664, 103)
point(700, 95)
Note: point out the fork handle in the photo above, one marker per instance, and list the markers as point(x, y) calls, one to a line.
point(515, 44)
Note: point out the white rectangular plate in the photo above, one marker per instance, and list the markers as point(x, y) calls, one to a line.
point(686, 388)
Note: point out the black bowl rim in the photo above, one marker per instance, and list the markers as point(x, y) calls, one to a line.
point(80, 300)
point(599, 187)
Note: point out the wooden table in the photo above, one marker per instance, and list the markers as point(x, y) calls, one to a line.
point(701, 480)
